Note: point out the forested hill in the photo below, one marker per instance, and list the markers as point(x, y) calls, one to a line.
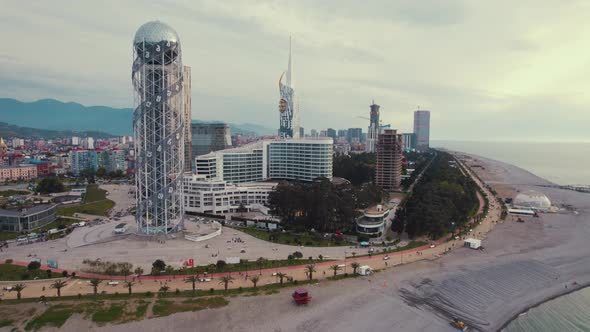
point(443, 200)
point(8, 130)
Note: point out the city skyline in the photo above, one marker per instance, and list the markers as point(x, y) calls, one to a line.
point(500, 81)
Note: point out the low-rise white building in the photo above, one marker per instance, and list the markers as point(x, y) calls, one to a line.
point(214, 196)
point(373, 221)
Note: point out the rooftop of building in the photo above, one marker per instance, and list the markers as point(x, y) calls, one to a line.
point(26, 211)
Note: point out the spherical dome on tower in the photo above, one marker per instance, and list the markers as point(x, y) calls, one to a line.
point(155, 32)
point(532, 199)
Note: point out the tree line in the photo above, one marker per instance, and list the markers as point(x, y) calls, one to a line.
point(443, 200)
point(321, 205)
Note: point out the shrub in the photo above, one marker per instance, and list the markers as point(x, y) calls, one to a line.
point(148, 294)
point(220, 264)
point(240, 289)
point(211, 290)
point(297, 254)
point(73, 274)
point(290, 257)
point(34, 265)
point(64, 273)
point(8, 261)
point(177, 291)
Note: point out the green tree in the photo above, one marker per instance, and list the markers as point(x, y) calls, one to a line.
point(159, 264)
point(101, 172)
point(33, 265)
point(310, 269)
point(129, 284)
point(58, 285)
point(94, 283)
point(18, 288)
point(226, 281)
point(254, 280)
point(138, 271)
point(164, 289)
point(355, 267)
point(260, 262)
point(50, 185)
point(169, 270)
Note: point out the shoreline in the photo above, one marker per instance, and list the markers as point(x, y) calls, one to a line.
point(559, 292)
point(545, 243)
point(556, 296)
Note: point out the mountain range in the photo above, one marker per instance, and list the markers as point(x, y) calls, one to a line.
point(9, 130)
point(51, 114)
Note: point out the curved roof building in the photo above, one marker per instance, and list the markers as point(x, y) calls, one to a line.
point(531, 199)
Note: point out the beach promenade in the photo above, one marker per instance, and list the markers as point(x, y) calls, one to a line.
point(522, 265)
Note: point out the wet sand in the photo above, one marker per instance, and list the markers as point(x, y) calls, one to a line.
point(523, 264)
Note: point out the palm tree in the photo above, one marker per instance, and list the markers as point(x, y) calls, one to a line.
point(281, 275)
point(355, 266)
point(139, 271)
point(225, 281)
point(164, 289)
point(260, 261)
point(94, 283)
point(193, 280)
point(335, 268)
point(310, 269)
point(59, 284)
point(18, 288)
point(129, 284)
point(254, 279)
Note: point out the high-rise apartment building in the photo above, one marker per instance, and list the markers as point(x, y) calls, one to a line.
point(187, 118)
point(355, 135)
point(388, 170)
point(157, 75)
point(209, 137)
point(422, 129)
point(330, 132)
point(409, 141)
point(292, 159)
point(288, 108)
point(301, 132)
point(373, 130)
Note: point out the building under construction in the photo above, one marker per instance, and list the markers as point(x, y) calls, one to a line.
point(388, 171)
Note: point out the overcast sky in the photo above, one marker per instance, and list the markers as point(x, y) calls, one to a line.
point(487, 70)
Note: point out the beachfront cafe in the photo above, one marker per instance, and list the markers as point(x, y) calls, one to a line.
point(372, 222)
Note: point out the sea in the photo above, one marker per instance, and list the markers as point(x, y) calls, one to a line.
point(560, 163)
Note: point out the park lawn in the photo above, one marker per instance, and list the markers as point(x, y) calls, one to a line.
point(94, 194)
point(11, 272)
point(8, 236)
point(167, 307)
point(109, 314)
point(98, 208)
point(290, 238)
point(55, 315)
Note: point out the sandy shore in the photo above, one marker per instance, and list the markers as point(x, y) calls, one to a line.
point(523, 264)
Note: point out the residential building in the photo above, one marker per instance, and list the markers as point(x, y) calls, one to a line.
point(422, 129)
point(373, 131)
point(388, 170)
point(301, 132)
point(296, 159)
point(214, 196)
point(27, 219)
point(81, 160)
point(330, 132)
point(209, 137)
point(18, 173)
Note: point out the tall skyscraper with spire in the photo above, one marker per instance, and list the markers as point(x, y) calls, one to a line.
point(288, 108)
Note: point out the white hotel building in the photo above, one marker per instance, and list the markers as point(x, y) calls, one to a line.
point(213, 196)
point(288, 159)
